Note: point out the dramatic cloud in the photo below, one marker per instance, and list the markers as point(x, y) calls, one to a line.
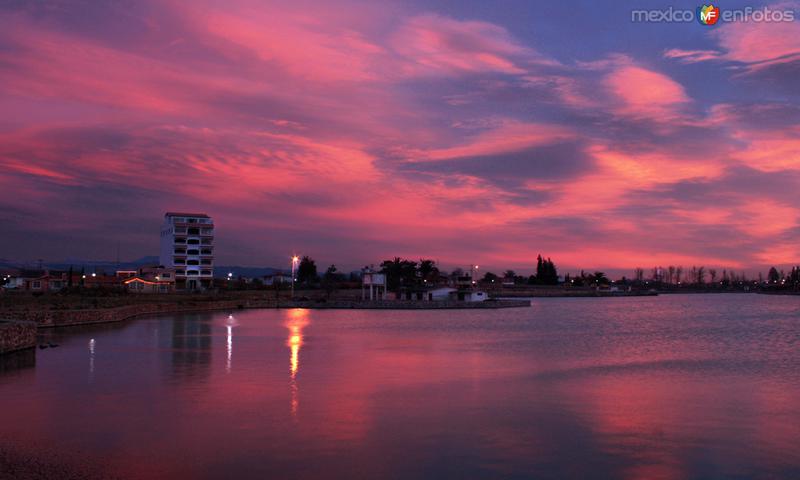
point(356, 131)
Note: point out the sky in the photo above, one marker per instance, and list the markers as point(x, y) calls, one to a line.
point(470, 132)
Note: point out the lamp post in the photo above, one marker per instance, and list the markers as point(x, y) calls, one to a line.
point(472, 269)
point(295, 261)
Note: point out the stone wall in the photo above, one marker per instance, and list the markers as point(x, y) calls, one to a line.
point(16, 336)
point(62, 318)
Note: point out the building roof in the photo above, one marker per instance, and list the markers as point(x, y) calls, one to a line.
point(184, 214)
point(148, 282)
point(28, 273)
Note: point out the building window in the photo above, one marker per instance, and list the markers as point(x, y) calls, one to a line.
point(206, 251)
point(206, 272)
point(180, 240)
point(179, 272)
point(36, 284)
point(193, 231)
point(208, 231)
point(191, 272)
point(180, 251)
point(192, 262)
point(205, 261)
point(193, 252)
point(179, 261)
point(166, 275)
point(193, 241)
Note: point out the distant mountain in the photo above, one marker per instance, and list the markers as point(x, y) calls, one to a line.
point(101, 265)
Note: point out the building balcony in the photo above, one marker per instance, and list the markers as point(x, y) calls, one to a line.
point(193, 225)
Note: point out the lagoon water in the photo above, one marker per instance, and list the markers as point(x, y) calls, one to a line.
point(675, 386)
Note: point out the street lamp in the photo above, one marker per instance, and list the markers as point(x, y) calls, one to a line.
point(472, 269)
point(295, 262)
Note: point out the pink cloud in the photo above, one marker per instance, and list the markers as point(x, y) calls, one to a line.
point(508, 136)
point(645, 93)
point(692, 56)
point(338, 135)
point(760, 42)
point(436, 44)
point(757, 45)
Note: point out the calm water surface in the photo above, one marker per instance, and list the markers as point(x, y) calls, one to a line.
point(704, 386)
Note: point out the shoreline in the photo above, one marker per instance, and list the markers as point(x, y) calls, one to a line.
point(64, 318)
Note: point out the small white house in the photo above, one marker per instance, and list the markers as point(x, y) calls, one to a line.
point(375, 282)
point(477, 296)
point(443, 293)
point(283, 278)
point(469, 296)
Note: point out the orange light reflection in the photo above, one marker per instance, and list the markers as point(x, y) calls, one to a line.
point(298, 319)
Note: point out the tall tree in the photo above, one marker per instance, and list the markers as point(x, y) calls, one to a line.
point(489, 277)
point(773, 276)
point(600, 278)
point(399, 272)
point(546, 273)
point(638, 274)
point(329, 280)
point(428, 270)
point(307, 271)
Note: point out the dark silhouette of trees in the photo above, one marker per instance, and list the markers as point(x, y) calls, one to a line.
point(330, 280)
point(489, 277)
point(428, 270)
point(546, 273)
point(307, 271)
point(399, 272)
point(773, 276)
point(638, 274)
point(599, 278)
point(794, 277)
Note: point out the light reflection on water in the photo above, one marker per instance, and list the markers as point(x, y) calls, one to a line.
point(659, 387)
point(298, 319)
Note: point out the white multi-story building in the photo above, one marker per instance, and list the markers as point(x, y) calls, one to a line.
point(187, 245)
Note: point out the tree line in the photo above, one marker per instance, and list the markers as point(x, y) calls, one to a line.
point(699, 276)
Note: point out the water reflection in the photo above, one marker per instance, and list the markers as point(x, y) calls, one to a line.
point(92, 344)
point(17, 360)
point(230, 322)
point(191, 347)
point(652, 387)
point(298, 319)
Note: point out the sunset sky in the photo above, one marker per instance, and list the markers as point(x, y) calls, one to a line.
point(465, 131)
